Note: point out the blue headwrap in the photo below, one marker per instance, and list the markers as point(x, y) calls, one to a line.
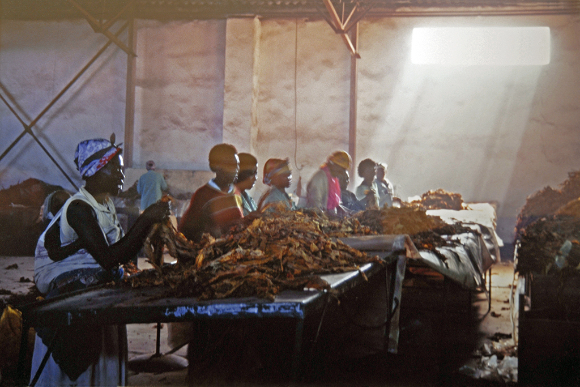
point(92, 155)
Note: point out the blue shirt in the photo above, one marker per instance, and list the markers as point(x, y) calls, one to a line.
point(150, 186)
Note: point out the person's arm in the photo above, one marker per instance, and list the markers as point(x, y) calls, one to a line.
point(82, 218)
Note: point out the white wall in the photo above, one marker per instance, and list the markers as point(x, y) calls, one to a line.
point(280, 88)
point(37, 61)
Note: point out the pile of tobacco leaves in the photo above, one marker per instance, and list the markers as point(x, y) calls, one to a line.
point(404, 220)
point(548, 201)
point(440, 200)
point(284, 250)
point(542, 240)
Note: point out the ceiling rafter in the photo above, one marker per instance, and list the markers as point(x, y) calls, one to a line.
point(215, 9)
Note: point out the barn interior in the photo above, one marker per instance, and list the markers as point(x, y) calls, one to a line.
point(474, 97)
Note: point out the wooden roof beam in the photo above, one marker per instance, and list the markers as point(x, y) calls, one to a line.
point(97, 27)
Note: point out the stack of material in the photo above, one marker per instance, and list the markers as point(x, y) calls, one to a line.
point(288, 250)
point(440, 200)
point(549, 218)
point(541, 242)
point(407, 220)
point(20, 221)
point(548, 201)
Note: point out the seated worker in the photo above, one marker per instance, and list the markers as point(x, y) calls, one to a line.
point(348, 198)
point(367, 190)
point(215, 207)
point(278, 176)
point(386, 190)
point(84, 246)
point(323, 189)
point(245, 181)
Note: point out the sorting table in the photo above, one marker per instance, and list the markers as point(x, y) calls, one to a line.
point(124, 305)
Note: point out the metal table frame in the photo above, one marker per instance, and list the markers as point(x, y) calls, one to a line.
point(119, 305)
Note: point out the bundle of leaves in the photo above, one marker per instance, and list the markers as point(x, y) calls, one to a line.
point(404, 220)
point(541, 241)
point(548, 201)
point(441, 200)
point(285, 250)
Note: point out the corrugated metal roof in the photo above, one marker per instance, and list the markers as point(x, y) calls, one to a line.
point(204, 9)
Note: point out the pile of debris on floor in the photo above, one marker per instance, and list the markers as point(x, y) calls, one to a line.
point(20, 216)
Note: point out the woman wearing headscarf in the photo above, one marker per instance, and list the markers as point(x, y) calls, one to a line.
point(83, 246)
point(323, 190)
point(278, 176)
point(245, 181)
point(215, 207)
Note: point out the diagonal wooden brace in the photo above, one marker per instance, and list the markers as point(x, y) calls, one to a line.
point(96, 26)
point(28, 128)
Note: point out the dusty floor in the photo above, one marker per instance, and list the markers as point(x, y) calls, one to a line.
point(415, 365)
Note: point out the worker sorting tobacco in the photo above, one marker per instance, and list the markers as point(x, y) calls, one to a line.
point(278, 176)
point(84, 245)
point(367, 190)
point(215, 207)
point(348, 198)
point(323, 189)
point(246, 179)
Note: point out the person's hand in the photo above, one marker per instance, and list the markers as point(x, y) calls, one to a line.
point(157, 212)
point(248, 219)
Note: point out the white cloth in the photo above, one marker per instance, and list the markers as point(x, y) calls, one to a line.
point(109, 370)
point(45, 269)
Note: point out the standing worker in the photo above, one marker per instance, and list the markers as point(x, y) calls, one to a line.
point(323, 190)
point(385, 187)
point(150, 186)
point(84, 246)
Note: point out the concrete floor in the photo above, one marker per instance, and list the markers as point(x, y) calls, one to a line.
point(378, 370)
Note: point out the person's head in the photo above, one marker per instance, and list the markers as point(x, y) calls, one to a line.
point(224, 161)
point(344, 179)
point(337, 162)
point(277, 173)
point(53, 203)
point(248, 173)
point(150, 165)
point(366, 169)
point(100, 164)
point(381, 171)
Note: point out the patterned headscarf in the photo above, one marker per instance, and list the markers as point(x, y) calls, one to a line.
point(275, 167)
point(92, 155)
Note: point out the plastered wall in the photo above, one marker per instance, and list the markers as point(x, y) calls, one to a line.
point(280, 88)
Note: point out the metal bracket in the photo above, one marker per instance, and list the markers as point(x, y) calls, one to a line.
point(343, 24)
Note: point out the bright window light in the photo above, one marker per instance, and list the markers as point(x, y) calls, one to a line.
point(503, 46)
